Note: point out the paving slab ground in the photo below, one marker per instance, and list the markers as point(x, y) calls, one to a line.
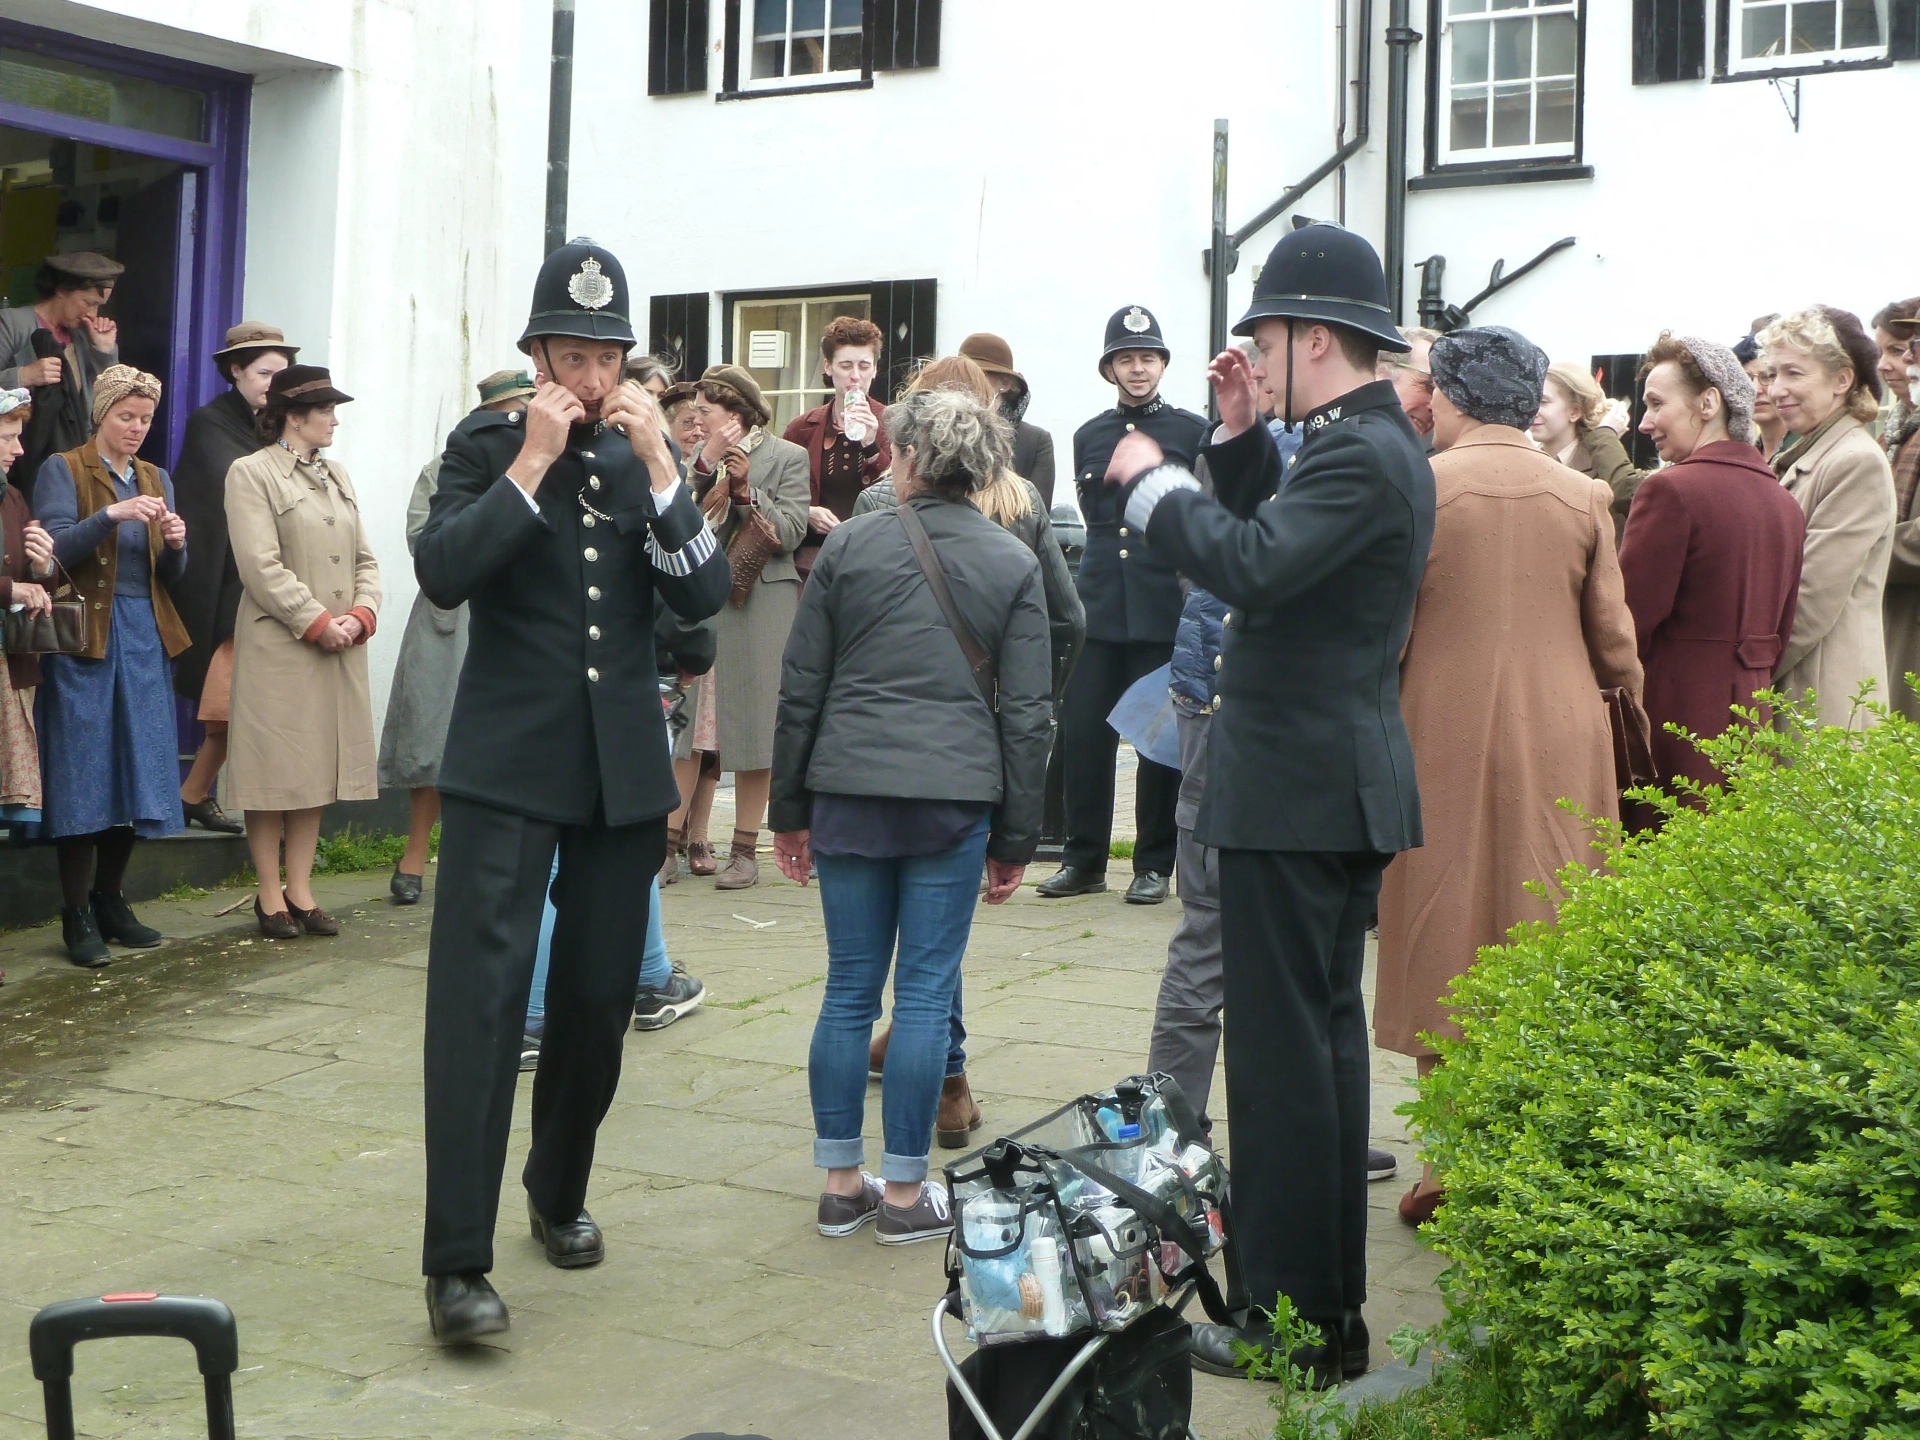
point(241, 1118)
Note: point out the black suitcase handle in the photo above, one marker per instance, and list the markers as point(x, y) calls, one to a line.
point(205, 1323)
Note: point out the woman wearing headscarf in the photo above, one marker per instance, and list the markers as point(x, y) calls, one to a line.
point(1826, 386)
point(109, 751)
point(24, 579)
point(302, 733)
point(1519, 625)
point(742, 470)
point(1712, 555)
point(208, 595)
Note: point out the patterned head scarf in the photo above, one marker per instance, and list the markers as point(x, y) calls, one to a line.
point(1494, 374)
point(116, 382)
point(12, 400)
point(1726, 374)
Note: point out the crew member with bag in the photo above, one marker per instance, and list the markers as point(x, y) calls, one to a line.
point(556, 527)
point(1312, 785)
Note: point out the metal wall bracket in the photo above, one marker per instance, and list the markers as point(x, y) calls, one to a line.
point(1793, 105)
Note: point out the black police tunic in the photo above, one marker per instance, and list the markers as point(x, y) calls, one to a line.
point(1131, 593)
point(558, 711)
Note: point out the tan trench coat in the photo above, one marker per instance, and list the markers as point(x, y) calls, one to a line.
point(302, 729)
point(1845, 489)
point(1520, 622)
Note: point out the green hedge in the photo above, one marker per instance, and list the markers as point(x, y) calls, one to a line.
point(1680, 1137)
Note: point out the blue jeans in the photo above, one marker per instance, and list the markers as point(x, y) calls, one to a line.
point(925, 903)
point(655, 968)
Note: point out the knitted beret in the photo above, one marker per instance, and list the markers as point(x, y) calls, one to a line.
point(1494, 374)
point(1725, 373)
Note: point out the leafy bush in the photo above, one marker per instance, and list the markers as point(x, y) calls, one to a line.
point(1679, 1137)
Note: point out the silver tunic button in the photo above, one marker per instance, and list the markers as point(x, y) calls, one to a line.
point(593, 592)
point(586, 454)
point(593, 482)
point(1123, 532)
point(591, 553)
point(1227, 619)
point(1216, 662)
point(1123, 554)
point(593, 632)
point(1129, 426)
point(592, 674)
point(514, 418)
point(1218, 701)
point(588, 521)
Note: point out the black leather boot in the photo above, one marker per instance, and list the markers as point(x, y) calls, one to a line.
point(464, 1307)
point(572, 1245)
point(84, 945)
point(118, 923)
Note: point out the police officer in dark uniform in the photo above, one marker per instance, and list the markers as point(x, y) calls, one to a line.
point(1311, 790)
point(1133, 604)
point(557, 527)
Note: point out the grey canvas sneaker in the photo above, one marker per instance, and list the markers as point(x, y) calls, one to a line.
point(928, 1218)
point(843, 1214)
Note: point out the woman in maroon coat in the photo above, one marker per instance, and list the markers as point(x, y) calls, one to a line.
point(1711, 555)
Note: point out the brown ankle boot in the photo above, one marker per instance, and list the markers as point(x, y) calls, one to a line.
point(743, 869)
point(700, 857)
point(877, 1052)
point(959, 1117)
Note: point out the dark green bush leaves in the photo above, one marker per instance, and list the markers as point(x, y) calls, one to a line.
point(1682, 1133)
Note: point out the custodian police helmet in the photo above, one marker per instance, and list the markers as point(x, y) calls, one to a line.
point(1131, 328)
point(581, 291)
point(1326, 273)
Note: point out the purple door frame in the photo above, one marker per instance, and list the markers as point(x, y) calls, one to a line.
point(215, 265)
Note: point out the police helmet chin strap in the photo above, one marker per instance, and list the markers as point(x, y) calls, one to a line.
point(1291, 418)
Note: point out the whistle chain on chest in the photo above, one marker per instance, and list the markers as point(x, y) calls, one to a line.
point(592, 514)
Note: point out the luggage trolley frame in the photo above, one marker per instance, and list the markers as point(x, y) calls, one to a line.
point(205, 1323)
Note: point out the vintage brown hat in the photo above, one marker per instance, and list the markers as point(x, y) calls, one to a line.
point(1862, 353)
point(738, 380)
point(251, 335)
point(507, 385)
point(304, 385)
point(991, 354)
point(86, 265)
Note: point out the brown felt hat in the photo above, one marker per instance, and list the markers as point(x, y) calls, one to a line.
point(304, 385)
point(251, 335)
point(991, 354)
point(86, 265)
point(738, 380)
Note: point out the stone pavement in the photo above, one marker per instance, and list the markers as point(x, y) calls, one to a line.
point(240, 1118)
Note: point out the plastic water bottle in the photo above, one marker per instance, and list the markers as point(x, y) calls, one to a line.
point(851, 428)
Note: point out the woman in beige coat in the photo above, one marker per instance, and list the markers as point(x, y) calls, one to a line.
point(302, 727)
point(1825, 385)
point(1520, 623)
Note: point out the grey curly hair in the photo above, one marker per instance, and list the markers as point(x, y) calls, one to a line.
point(959, 445)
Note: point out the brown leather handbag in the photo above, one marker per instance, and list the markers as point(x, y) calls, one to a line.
point(63, 631)
point(752, 545)
point(1632, 739)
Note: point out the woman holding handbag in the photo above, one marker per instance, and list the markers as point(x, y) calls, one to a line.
point(915, 719)
point(753, 487)
point(1520, 624)
point(27, 569)
point(109, 750)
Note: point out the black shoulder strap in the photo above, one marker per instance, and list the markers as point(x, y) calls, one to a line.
point(1228, 1309)
point(979, 661)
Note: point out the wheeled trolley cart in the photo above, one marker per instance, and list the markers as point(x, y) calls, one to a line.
point(206, 1324)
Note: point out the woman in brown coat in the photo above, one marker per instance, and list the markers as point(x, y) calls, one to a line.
point(1712, 555)
point(302, 729)
point(1826, 385)
point(1519, 625)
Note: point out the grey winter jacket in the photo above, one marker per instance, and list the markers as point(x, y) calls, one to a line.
point(876, 697)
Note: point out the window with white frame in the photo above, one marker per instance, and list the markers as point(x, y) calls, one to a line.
point(1779, 34)
point(1509, 80)
point(804, 42)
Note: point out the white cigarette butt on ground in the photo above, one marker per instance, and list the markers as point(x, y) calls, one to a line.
point(756, 924)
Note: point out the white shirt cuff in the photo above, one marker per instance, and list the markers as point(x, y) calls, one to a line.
point(532, 503)
point(1154, 487)
point(663, 499)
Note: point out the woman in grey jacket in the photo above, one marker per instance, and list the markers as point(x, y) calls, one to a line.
point(896, 775)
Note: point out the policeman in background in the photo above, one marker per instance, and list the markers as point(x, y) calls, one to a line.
point(556, 528)
point(1133, 603)
point(1312, 785)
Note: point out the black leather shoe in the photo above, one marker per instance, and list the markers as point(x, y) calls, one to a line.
point(464, 1307)
point(1212, 1350)
point(84, 945)
point(1355, 1346)
point(570, 1246)
point(1070, 880)
point(1149, 887)
point(405, 888)
point(116, 922)
point(208, 815)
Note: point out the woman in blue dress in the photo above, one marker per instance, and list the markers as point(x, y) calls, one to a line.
point(109, 753)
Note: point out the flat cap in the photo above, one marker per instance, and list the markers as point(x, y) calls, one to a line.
point(86, 265)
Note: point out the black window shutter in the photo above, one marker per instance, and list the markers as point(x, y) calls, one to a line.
point(1619, 377)
point(1669, 40)
point(730, 50)
point(677, 47)
point(904, 311)
point(906, 34)
point(1903, 29)
point(677, 331)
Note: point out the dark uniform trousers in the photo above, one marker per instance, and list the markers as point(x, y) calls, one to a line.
point(1089, 747)
point(1293, 938)
point(486, 927)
